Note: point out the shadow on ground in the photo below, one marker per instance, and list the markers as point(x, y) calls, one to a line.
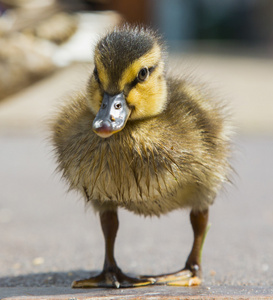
point(63, 279)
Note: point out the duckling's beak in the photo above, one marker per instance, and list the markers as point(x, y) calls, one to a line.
point(112, 116)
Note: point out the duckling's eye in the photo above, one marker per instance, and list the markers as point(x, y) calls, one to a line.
point(143, 74)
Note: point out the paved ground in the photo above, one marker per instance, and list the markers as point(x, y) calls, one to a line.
point(48, 240)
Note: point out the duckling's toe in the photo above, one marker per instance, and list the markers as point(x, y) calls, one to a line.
point(112, 279)
point(181, 278)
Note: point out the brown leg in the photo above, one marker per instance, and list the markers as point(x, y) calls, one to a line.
point(199, 221)
point(191, 274)
point(111, 276)
point(109, 224)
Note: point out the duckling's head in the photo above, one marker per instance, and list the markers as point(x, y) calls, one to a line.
point(128, 81)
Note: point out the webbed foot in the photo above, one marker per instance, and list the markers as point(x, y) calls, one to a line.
point(112, 279)
point(181, 278)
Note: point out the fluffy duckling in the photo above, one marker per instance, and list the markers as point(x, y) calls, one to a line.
point(142, 141)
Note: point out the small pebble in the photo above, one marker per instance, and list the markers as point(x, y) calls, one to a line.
point(16, 266)
point(212, 273)
point(38, 261)
point(265, 267)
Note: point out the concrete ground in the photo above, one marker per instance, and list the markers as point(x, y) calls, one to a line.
point(48, 238)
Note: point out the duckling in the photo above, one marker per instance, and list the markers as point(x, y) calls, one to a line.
point(143, 141)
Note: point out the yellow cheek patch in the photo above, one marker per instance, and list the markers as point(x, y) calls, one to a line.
point(150, 97)
point(147, 60)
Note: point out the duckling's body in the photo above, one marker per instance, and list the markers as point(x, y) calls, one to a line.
point(152, 166)
point(171, 152)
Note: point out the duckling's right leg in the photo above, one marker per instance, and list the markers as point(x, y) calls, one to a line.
point(111, 276)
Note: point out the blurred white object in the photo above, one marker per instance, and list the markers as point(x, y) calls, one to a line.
point(81, 45)
point(29, 3)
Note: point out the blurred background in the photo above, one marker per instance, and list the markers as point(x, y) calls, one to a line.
point(46, 52)
point(213, 40)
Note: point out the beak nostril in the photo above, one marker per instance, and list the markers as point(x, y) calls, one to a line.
point(112, 118)
point(117, 105)
point(103, 105)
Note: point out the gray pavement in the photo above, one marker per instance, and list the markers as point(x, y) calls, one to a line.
point(48, 237)
point(152, 293)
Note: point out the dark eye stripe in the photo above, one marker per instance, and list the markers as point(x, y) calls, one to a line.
point(151, 69)
point(133, 83)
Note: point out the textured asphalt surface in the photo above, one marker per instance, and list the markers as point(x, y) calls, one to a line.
point(48, 237)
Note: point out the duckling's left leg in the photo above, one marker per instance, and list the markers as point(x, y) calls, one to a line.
point(191, 274)
point(111, 276)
